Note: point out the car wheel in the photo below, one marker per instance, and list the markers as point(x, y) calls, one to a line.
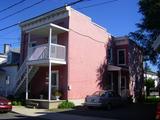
point(109, 106)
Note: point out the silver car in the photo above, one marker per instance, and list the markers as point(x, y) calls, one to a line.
point(103, 98)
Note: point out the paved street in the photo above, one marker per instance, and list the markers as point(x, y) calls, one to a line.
point(131, 112)
point(15, 116)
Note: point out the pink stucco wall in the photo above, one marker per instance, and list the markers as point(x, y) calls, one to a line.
point(85, 55)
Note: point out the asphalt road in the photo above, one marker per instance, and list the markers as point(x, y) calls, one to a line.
point(129, 112)
point(15, 116)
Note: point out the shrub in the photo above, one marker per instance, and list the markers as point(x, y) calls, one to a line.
point(152, 99)
point(66, 104)
point(18, 102)
point(14, 103)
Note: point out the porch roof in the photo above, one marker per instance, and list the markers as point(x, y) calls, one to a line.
point(113, 68)
point(44, 29)
point(116, 68)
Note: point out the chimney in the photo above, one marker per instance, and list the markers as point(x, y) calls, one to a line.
point(6, 48)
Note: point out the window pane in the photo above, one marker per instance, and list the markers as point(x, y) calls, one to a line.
point(121, 56)
point(54, 81)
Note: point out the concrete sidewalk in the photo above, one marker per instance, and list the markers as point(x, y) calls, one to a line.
point(45, 114)
point(29, 111)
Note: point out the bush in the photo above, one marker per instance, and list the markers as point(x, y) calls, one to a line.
point(14, 103)
point(18, 102)
point(66, 104)
point(152, 99)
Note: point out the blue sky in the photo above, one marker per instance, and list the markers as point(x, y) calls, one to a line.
point(118, 17)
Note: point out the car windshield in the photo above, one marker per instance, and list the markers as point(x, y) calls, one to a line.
point(98, 93)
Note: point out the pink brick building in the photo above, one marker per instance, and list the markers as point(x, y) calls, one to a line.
point(65, 50)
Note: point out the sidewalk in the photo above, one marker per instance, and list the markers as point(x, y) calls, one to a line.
point(29, 111)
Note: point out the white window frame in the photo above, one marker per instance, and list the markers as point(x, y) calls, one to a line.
point(57, 79)
point(124, 56)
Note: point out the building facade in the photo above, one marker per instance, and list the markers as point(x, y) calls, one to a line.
point(8, 70)
point(125, 67)
point(65, 50)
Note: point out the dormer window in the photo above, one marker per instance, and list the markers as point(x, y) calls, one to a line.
point(121, 57)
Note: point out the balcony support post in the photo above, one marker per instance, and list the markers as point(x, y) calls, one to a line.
point(29, 38)
point(119, 82)
point(49, 82)
point(27, 82)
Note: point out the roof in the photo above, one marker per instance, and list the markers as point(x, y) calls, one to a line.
point(15, 50)
point(2, 71)
point(150, 72)
point(41, 15)
point(3, 55)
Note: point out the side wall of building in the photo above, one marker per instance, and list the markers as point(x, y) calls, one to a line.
point(136, 69)
point(86, 54)
point(10, 71)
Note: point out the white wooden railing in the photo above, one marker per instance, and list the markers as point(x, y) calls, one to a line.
point(41, 52)
point(58, 52)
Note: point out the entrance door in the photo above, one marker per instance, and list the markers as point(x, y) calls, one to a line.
point(110, 81)
point(123, 86)
point(54, 82)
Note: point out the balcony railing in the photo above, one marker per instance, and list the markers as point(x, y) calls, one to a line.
point(41, 52)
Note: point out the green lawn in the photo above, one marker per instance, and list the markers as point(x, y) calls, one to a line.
point(152, 99)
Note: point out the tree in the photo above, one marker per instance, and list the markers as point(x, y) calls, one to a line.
point(147, 68)
point(149, 83)
point(148, 29)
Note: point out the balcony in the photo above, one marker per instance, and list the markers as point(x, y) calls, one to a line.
point(40, 54)
point(46, 50)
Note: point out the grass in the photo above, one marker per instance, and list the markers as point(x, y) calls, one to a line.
point(152, 99)
point(60, 110)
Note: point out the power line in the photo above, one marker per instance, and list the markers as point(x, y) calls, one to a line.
point(9, 26)
point(11, 6)
point(21, 10)
point(98, 4)
point(70, 4)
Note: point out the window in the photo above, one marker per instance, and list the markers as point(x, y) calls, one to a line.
point(121, 57)
point(110, 56)
point(32, 44)
point(54, 79)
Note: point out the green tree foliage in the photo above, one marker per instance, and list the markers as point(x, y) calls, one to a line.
point(148, 29)
point(149, 83)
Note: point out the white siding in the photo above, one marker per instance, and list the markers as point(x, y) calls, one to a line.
point(11, 71)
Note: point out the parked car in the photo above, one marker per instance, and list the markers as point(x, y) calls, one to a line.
point(5, 105)
point(103, 98)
